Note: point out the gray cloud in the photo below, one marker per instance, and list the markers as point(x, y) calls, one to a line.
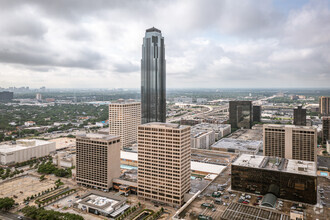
point(209, 43)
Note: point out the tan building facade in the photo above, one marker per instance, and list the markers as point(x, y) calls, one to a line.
point(164, 166)
point(290, 142)
point(324, 105)
point(124, 119)
point(98, 160)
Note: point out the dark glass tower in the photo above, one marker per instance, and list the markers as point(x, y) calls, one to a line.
point(153, 77)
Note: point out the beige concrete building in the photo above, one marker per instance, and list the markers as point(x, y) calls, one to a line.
point(290, 141)
point(202, 139)
point(124, 118)
point(98, 160)
point(164, 162)
point(25, 150)
point(324, 105)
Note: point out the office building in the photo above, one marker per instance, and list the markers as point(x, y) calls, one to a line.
point(324, 105)
point(98, 160)
point(6, 96)
point(164, 162)
point(24, 150)
point(240, 114)
point(299, 116)
point(38, 96)
point(290, 142)
point(273, 177)
point(124, 119)
point(256, 113)
point(325, 129)
point(202, 139)
point(153, 77)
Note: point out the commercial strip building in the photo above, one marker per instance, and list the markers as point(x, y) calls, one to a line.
point(99, 203)
point(290, 141)
point(153, 77)
point(98, 160)
point(164, 158)
point(240, 114)
point(24, 150)
point(324, 105)
point(294, 180)
point(237, 146)
point(124, 119)
point(299, 116)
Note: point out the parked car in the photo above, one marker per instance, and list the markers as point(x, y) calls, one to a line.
point(245, 202)
point(255, 203)
point(248, 196)
point(226, 197)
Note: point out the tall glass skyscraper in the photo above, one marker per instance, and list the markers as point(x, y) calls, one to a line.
point(153, 77)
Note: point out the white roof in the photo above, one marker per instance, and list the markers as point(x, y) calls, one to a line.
point(206, 167)
point(196, 166)
point(8, 148)
point(128, 155)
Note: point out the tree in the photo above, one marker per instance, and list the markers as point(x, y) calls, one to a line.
point(6, 203)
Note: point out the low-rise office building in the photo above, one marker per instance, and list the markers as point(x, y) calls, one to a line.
point(99, 203)
point(24, 150)
point(294, 180)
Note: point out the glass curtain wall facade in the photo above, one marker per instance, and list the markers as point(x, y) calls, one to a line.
point(153, 77)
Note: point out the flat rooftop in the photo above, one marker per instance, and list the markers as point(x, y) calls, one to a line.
point(97, 136)
point(163, 125)
point(237, 144)
point(288, 126)
point(277, 164)
point(247, 134)
point(21, 145)
point(104, 201)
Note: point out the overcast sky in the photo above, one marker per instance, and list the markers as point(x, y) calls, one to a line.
point(209, 43)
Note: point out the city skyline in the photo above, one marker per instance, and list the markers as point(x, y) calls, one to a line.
point(258, 44)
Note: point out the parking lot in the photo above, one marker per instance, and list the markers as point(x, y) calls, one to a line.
point(24, 187)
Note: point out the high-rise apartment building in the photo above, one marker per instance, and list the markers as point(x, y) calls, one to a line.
point(124, 119)
point(153, 77)
point(164, 162)
point(299, 116)
point(290, 142)
point(256, 113)
point(324, 105)
point(325, 129)
point(98, 160)
point(240, 114)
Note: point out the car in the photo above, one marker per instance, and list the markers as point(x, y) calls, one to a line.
point(213, 210)
point(20, 217)
point(255, 203)
point(70, 200)
point(233, 195)
point(77, 197)
point(240, 200)
point(322, 197)
point(293, 207)
point(245, 202)
point(226, 197)
point(248, 196)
